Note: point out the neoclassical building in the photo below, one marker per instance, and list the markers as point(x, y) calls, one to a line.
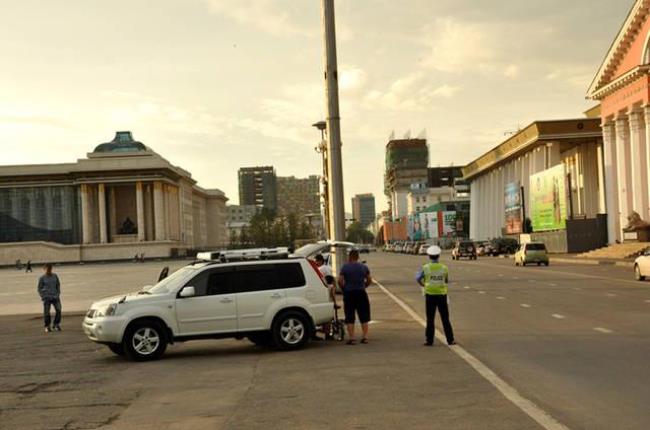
point(122, 199)
point(622, 85)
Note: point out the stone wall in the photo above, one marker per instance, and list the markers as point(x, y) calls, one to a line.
point(43, 252)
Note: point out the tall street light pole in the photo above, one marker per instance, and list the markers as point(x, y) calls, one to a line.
point(333, 121)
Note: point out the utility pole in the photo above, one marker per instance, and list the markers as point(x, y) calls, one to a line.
point(334, 164)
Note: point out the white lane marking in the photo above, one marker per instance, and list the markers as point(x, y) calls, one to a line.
point(602, 329)
point(532, 280)
point(467, 287)
point(647, 301)
point(611, 295)
point(481, 292)
point(500, 275)
point(515, 277)
point(577, 289)
point(524, 305)
point(500, 298)
point(542, 417)
point(552, 285)
point(558, 316)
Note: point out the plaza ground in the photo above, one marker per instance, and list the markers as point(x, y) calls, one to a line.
point(571, 339)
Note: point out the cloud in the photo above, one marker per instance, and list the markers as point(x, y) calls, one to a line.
point(271, 16)
point(511, 71)
point(414, 91)
point(456, 46)
point(352, 78)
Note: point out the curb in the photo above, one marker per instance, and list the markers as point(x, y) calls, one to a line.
point(593, 262)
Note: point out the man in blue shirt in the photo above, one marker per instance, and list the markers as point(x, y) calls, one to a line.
point(354, 277)
point(49, 289)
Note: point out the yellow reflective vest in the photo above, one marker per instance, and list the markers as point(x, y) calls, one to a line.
point(436, 276)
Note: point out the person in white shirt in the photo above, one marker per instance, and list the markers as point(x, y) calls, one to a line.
point(326, 271)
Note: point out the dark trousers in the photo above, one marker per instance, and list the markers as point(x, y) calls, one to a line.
point(46, 311)
point(439, 302)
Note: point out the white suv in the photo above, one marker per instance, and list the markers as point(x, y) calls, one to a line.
point(273, 303)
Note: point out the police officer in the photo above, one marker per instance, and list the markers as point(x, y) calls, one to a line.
point(434, 278)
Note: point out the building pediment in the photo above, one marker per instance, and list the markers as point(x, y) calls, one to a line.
point(626, 56)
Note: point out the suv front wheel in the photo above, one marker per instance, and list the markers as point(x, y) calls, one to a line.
point(291, 330)
point(145, 340)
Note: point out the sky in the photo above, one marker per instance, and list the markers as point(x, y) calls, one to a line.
point(214, 85)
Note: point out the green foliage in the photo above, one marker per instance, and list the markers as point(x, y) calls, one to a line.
point(357, 233)
point(267, 230)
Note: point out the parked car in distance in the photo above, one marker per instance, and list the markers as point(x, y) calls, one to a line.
point(271, 302)
point(503, 246)
point(531, 253)
point(423, 249)
point(642, 266)
point(464, 248)
point(481, 247)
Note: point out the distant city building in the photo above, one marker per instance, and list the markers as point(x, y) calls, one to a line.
point(241, 213)
point(444, 184)
point(121, 200)
point(363, 209)
point(406, 164)
point(258, 187)
point(299, 196)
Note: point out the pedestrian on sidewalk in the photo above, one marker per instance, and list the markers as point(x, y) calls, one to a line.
point(354, 278)
point(28, 268)
point(434, 279)
point(49, 289)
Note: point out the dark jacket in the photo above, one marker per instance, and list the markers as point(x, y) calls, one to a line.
point(49, 287)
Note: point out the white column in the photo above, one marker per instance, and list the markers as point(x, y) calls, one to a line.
point(158, 211)
point(611, 181)
point(139, 203)
point(602, 208)
point(101, 207)
point(86, 233)
point(473, 206)
point(639, 163)
point(623, 170)
point(646, 111)
point(112, 213)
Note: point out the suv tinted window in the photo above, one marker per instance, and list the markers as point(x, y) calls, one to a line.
point(220, 281)
point(290, 275)
point(200, 283)
point(254, 278)
point(536, 247)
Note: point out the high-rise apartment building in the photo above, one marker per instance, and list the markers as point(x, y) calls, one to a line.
point(258, 186)
point(406, 164)
point(299, 196)
point(363, 208)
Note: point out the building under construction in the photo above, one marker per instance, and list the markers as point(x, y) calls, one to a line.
point(406, 164)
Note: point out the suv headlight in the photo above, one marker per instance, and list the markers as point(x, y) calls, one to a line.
point(107, 311)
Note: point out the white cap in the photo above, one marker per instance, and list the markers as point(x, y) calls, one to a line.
point(434, 251)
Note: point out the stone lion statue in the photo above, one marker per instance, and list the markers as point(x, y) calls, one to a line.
point(635, 223)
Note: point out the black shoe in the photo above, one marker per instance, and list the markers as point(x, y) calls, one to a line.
point(453, 342)
point(427, 344)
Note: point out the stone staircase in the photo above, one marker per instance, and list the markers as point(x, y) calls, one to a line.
point(618, 251)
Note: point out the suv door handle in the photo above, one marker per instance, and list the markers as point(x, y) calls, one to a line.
point(226, 300)
point(276, 296)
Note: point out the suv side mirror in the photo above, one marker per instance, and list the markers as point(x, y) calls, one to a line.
point(187, 292)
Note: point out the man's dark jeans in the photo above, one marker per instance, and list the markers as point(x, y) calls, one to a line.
point(440, 302)
point(46, 311)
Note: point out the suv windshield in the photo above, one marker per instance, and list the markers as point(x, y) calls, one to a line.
point(163, 286)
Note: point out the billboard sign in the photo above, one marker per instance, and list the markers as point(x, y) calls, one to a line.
point(548, 199)
point(514, 220)
point(431, 225)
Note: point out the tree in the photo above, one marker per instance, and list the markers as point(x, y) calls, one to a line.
point(357, 233)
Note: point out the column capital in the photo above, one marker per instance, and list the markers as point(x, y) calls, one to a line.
point(636, 119)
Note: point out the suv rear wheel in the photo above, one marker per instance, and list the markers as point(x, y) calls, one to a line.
point(145, 340)
point(291, 330)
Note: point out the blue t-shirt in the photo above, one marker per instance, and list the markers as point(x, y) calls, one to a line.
point(355, 275)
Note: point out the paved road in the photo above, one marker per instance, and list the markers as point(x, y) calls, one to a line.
point(573, 339)
point(63, 381)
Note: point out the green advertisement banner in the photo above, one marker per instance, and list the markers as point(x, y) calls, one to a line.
point(548, 199)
